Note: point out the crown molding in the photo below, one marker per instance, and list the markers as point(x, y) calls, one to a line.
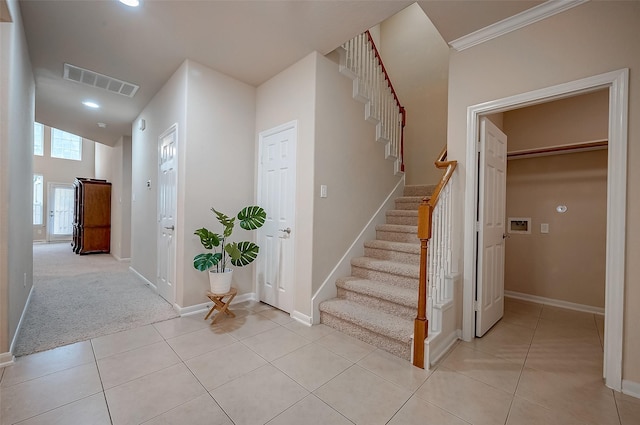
point(522, 19)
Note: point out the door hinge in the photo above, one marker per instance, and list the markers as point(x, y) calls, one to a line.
point(477, 226)
point(476, 305)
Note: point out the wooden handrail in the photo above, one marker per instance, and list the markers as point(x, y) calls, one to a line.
point(425, 220)
point(403, 111)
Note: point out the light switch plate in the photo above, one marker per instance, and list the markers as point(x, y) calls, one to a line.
point(544, 228)
point(323, 190)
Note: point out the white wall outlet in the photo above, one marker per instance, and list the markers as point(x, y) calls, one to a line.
point(323, 190)
point(544, 228)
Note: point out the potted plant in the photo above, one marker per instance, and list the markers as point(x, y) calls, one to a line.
point(221, 252)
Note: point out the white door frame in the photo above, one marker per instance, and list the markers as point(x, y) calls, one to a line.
point(618, 84)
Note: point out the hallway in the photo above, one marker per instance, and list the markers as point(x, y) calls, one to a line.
point(539, 365)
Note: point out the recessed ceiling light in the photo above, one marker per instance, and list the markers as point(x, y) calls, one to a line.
point(131, 3)
point(90, 104)
point(102, 125)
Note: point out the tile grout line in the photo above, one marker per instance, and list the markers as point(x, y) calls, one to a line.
point(104, 393)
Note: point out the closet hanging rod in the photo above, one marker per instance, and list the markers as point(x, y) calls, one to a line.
point(588, 146)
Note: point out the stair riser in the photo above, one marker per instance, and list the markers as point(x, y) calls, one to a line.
point(394, 279)
point(400, 257)
point(386, 306)
point(395, 347)
point(404, 220)
point(418, 190)
point(407, 205)
point(397, 236)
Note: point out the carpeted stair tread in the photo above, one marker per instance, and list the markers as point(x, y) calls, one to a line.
point(385, 291)
point(374, 320)
point(385, 266)
point(397, 228)
point(410, 248)
point(410, 199)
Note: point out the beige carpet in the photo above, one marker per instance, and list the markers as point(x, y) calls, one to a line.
point(76, 298)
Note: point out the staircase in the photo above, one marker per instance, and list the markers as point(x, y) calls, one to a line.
point(377, 303)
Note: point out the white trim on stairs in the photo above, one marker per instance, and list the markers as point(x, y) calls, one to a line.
point(512, 23)
point(554, 302)
point(328, 288)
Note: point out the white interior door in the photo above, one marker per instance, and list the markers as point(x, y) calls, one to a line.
point(167, 194)
point(277, 179)
point(491, 229)
point(60, 202)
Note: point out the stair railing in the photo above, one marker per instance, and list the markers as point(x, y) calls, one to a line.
point(372, 85)
point(434, 230)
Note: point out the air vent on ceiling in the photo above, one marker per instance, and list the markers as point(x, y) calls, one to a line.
point(90, 78)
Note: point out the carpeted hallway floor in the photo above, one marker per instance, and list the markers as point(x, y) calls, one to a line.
point(79, 297)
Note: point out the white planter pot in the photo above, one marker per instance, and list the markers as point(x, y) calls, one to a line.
point(220, 282)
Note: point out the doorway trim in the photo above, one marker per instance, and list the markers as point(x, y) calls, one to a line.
point(618, 84)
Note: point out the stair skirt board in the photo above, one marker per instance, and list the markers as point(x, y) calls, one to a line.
point(393, 346)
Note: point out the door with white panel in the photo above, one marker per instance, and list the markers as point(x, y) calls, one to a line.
point(491, 228)
point(60, 201)
point(167, 202)
point(276, 194)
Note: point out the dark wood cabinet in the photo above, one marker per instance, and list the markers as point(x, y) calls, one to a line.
point(91, 216)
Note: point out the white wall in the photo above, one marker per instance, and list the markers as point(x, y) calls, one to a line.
point(591, 39)
point(417, 60)
point(17, 110)
point(290, 96)
point(217, 169)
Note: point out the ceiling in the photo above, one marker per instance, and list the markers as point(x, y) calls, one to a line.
point(248, 40)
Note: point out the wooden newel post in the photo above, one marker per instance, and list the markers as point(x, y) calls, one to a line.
point(421, 323)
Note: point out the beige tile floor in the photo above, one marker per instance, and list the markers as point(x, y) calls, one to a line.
point(539, 365)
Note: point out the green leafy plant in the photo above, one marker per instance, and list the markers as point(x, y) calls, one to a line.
point(221, 252)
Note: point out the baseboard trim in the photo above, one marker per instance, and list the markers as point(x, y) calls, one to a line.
point(146, 281)
point(24, 311)
point(631, 388)
point(122, 260)
point(555, 303)
point(6, 359)
point(302, 318)
point(328, 288)
point(204, 307)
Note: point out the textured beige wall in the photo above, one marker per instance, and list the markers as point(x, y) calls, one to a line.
point(167, 107)
point(576, 119)
point(290, 96)
point(351, 163)
point(565, 47)
point(56, 170)
point(17, 110)
point(568, 263)
point(217, 169)
point(114, 165)
point(417, 59)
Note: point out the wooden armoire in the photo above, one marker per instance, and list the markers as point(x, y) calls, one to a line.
point(91, 216)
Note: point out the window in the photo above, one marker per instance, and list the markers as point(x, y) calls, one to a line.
point(65, 145)
point(38, 139)
point(38, 183)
